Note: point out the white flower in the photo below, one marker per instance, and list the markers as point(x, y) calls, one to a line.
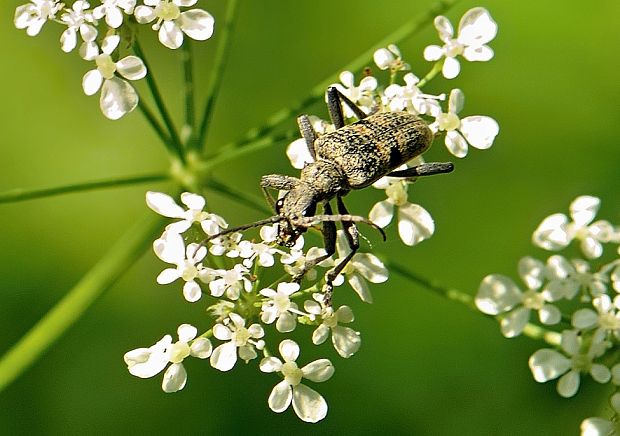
point(596, 426)
point(172, 23)
point(308, 404)
point(165, 205)
point(32, 16)
point(279, 306)
point(147, 362)
point(476, 29)
point(605, 319)
point(113, 10)
point(346, 341)
point(227, 244)
point(390, 58)
point(499, 294)
point(78, 18)
point(567, 278)
point(410, 98)
point(556, 232)
point(296, 262)
point(362, 95)
point(415, 224)
point(171, 249)
point(298, 152)
point(262, 251)
point(361, 267)
point(230, 282)
point(477, 130)
point(547, 364)
point(118, 97)
point(245, 340)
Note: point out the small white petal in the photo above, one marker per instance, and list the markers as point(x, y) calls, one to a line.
point(270, 364)
point(91, 82)
point(591, 248)
point(346, 341)
point(532, 272)
point(551, 234)
point(319, 370)
point(289, 350)
point(497, 294)
point(280, 397)
point(597, 427)
point(170, 35)
point(584, 208)
point(114, 18)
point(433, 53)
point(221, 332)
point(118, 98)
point(383, 58)
point(570, 342)
point(286, 322)
point(201, 348)
point(191, 291)
point(514, 322)
point(360, 286)
point(175, 378)
point(456, 144)
point(186, 332)
point(444, 28)
point(600, 373)
point(308, 404)
point(110, 43)
point(197, 24)
point(164, 205)
point(584, 319)
point(298, 153)
point(480, 131)
point(320, 334)
point(381, 213)
point(549, 314)
point(167, 276)
point(68, 40)
point(480, 53)
point(568, 385)
point(131, 68)
point(477, 27)
point(224, 356)
point(370, 267)
point(144, 14)
point(547, 364)
point(451, 68)
point(415, 224)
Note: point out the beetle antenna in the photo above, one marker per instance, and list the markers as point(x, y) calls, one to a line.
point(270, 220)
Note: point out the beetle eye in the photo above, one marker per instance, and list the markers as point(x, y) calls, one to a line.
point(310, 210)
point(279, 204)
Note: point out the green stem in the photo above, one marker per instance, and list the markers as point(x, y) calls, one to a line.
point(216, 76)
point(411, 27)
point(73, 305)
point(190, 112)
point(239, 196)
point(159, 130)
point(159, 102)
point(531, 330)
point(432, 73)
point(15, 195)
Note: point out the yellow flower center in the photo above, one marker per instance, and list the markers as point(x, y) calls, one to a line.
point(448, 121)
point(292, 374)
point(167, 11)
point(105, 65)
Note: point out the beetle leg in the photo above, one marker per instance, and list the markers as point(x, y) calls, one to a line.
point(425, 169)
point(329, 240)
point(308, 133)
point(335, 99)
point(276, 181)
point(352, 235)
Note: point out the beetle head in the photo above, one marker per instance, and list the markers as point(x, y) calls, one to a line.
point(297, 203)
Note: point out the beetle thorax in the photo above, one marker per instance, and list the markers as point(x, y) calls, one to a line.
point(324, 179)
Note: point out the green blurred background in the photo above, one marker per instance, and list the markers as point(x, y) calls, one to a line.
point(427, 366)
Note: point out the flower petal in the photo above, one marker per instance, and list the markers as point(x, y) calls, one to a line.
point(360, 286)
point(480, 131)
point(547, 364)
point(175, 378)
point(497, 294)
point(568, 385)
point(552, 234)
point(201, 348)
point(476, 27)
point(415, 224)
point(346, 341)
point(456, 144)
point(584, 208)
point(131, 68)
point(270, 364)
point(289, 350)
point(118, 98)
point(319, 370)
point(280, 397)
point(163, 204)
point(197, 24)
point(191, 291)
point(91, 82)
point(308, 404)
point(514, 322)
point(433, 53)
point(381, 213)
point(170, 35)
point(451, 68)
point(224, 356)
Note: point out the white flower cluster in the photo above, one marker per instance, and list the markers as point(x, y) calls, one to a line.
point(99, 27)
point(588, 336)
point(228, 271)
point(476, 29)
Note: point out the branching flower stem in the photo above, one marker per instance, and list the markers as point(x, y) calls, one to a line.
point(213, 87)
point(100, 278)
point(408, 29)
point(15, 195)
point(531, 330)
point(159, 102)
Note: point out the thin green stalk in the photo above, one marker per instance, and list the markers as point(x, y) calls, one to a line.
point(15, 195)
point(188, 72)
point(73, 305)
point(431, 74)
point(159, 102)
point(411, 27)
point(239, 196)
point(531, 330)
point(159, 130)
point(221, 56)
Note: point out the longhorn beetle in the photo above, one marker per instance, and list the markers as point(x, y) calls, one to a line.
point(352, 157)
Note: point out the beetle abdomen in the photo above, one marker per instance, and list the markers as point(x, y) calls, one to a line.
point(370, 148)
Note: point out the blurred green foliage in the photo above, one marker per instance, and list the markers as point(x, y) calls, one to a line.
point(427, 366)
